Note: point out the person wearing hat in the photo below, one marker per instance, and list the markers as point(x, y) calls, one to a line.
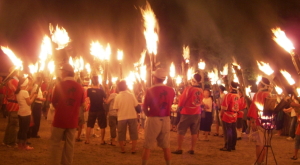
point(67, 98)
point(12, 107)
point(157, 107)
point(189, 107)
point(229, 108)
point(257, 131)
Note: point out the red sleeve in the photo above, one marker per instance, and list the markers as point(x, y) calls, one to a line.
point(183, 97)
point(252, 112)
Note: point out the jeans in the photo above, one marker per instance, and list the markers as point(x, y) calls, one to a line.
point(24, 122)
point(293, 126)
point(57, 135)
point(231, 135)
point(36, 114)
point(113, 122)
point(10, 136)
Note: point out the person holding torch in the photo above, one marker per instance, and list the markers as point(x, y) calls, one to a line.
point(257, 131)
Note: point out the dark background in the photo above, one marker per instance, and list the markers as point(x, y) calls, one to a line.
point(215, 30)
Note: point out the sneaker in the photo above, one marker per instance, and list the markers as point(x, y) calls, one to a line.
point(177, 152)
point(289, 138)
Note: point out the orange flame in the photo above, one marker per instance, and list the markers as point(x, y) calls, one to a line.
point(190, 73)
point(258, 79)
point(97, 50)
point(120, 55)
point(265, 67)
point(178, 80)
point(33, 68)
point(288, 77)
point(225, 70)
point(278, 90)
point(172, 70)
point(88, 68)
point(201, 65)
point(51, 67)
point(151, 29)
point(282, 40)
point(259, 106)
point(298, 91)
point(14, 59)
point(186, 53)
point(59, 36)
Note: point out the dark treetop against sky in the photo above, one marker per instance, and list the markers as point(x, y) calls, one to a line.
point(215, 30)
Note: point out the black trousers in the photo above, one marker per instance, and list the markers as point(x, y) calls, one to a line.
point(24, 122)
point(36, 114)
point(231, 135)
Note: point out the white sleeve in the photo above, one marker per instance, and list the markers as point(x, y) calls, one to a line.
point(116, 103)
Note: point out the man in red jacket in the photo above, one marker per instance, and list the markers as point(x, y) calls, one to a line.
point(189, 107)
point(257, 130)
point(67, 99)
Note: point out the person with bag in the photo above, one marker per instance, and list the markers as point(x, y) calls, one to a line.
point(24, 113)
point(189, 107)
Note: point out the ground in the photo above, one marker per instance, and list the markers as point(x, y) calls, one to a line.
point(207, 152)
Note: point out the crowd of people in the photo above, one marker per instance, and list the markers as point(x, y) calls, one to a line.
point(24, 102)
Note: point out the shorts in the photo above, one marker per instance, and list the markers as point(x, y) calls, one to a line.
point(122, 129)
point(188, 121)
point(259, 136)
point(157, 130)
point(81, 116)
point(297, 142)
point(100, 116)
point(239, 123)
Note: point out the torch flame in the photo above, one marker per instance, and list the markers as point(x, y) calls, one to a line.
point(225, 70)
point(298, 91)
point(59, 36)
point(120, 55)
point(258, 79)
point(212, 76)
point(278, 90)
point(288, 77)
point(248, 90)
point(235, 78)
point(166, 80)
point(71, 62)
point(172, 70)
point(178, 80)
point(186, 53)
point(130, 79)
point(88, 68)
point(143, 72)
point(282, 40)
point(265, 67)
point(46, 48)
point(114, 80)
point(190, 73)
point(259, 106)
point(33, 68)
point(151, 28)
point(51, 67)
point(97, 50)
point(201, 65)
point(81, 64)
point(16, 61)
point(107, 52)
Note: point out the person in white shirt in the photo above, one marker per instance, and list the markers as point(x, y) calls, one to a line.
point(125, 103)
point(24, 113)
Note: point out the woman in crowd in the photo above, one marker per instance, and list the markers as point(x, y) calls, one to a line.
point(206, 120)
point(112, 118)
point(125, 104)
point(24, 113)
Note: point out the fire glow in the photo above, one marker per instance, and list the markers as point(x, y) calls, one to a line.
point(281, 39)
point(265, 67)
point(288, 77)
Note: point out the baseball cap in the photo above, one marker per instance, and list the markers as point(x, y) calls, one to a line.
point(160, 73)
point(67, 67)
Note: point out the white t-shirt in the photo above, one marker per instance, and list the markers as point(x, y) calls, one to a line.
point(39, 94)
point(208, 102)
point(112, 111)
point(125, 103)
point(24, 108)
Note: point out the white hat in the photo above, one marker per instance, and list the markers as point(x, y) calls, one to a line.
point(160, 73)
point(67, 67)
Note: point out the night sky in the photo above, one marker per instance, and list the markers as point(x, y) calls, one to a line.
point(215, 30)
